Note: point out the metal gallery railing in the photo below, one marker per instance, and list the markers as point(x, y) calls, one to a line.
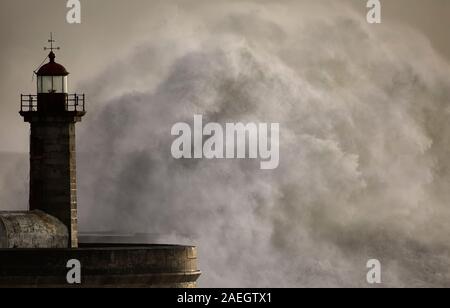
point(73, 103)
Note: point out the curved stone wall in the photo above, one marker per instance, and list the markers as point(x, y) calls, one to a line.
point(141, 266)
point(34, 229)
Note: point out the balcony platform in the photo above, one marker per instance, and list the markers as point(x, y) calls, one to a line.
point(52, 107)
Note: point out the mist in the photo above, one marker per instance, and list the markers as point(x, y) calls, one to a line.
point(364, 146)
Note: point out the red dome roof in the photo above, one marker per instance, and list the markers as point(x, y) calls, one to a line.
point(52, 68)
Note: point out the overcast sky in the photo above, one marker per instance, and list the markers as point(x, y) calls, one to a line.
point(110, 28)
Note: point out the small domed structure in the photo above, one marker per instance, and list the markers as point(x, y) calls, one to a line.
point(34, 229)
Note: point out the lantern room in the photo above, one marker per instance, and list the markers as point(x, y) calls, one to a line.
point(52, 77)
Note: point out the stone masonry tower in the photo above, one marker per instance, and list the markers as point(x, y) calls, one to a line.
point(52, 115)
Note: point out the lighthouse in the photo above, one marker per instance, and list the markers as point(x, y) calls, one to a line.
point(36, 246)
point(52, 113)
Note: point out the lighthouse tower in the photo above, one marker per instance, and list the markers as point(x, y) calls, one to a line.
point(36, 245)
point(52, 113)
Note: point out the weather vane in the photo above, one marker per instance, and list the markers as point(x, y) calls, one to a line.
point(51, 41)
